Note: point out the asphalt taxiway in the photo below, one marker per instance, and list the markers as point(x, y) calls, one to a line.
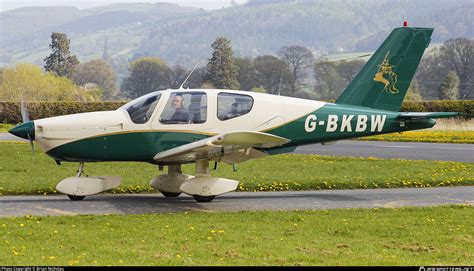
point(236, 201)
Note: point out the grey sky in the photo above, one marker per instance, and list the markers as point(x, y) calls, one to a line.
point(82, 4)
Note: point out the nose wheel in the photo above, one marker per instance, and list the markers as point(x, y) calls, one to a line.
point(200, 198)
point(80, 171)
point(170, 194)
point(75, 198)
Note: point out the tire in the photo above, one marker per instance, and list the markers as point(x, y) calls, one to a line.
point(170, 194)
point(76, 198)
point(199, 198)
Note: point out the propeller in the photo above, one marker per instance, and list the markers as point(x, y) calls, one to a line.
point(25, 117)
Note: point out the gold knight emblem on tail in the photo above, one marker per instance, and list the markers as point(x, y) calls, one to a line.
point(387, 76)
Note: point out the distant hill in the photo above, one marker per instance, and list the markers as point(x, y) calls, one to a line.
point(184, 35)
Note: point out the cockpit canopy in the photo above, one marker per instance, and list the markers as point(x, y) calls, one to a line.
point(188, 107)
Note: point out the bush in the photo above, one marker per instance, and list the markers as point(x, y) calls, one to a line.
point(465, 107)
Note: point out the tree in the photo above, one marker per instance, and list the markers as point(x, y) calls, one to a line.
point(99, 72)
point(333, 77)
point(146, 75)
point(429, 74)
point(1, 75)
point(329, 83)
point(458, 55)
point(348, 70)
point(297, 58)
point(175, 77)
point(449, 89)
point(221, 69)
point(413, 92)
point(196, 80)
point(29, 83)
point(105, 53)
point(60, 61)
point(246, 73)
point(272, 74)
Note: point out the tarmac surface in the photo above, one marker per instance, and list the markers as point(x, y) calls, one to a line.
point(380, 149)
point(235, 201)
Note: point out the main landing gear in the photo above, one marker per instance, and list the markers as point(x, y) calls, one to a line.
point(202, 187)
point(78, 187)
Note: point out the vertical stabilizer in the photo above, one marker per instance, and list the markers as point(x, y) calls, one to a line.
point(384, 80)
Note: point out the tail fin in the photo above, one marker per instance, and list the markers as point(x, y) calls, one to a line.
point(383, 81)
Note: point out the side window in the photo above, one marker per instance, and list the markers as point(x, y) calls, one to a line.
point(185, 107)
point(141, 109)
point(231, 105)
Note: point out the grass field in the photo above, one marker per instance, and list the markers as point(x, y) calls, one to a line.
point(21, 172)
point(405, 236)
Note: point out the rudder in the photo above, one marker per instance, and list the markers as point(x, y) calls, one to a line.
point(384, 80)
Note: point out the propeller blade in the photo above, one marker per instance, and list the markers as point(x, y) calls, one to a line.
point(25, 117)
point(31, 144)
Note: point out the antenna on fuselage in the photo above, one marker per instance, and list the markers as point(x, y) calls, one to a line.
point(185, 80)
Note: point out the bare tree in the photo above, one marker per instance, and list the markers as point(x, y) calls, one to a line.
point(458, 55)
point(175, 77)
point(297, 58)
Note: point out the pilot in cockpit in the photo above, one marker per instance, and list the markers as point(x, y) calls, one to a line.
point(180, 114)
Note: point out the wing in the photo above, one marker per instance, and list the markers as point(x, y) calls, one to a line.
point(231, 148)
point(421, 115)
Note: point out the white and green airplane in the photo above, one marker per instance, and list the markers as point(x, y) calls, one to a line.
point(175, 127)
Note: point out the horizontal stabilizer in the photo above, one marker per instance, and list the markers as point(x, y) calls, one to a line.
point(431, 115)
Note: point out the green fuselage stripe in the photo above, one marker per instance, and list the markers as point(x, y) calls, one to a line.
point(329, 123)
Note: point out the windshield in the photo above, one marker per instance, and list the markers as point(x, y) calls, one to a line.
point(141, 109)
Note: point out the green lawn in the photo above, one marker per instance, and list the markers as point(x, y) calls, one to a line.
point(405, 236)
point(21, 172)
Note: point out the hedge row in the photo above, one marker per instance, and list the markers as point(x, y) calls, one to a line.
point(465, 107)
point(10, 111)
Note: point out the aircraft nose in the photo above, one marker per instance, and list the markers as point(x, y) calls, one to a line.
point(24, 129)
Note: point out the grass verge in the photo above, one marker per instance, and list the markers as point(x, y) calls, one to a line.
point(24, 173)
point(405, 236)
point(4, 128)
point(436, 136)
